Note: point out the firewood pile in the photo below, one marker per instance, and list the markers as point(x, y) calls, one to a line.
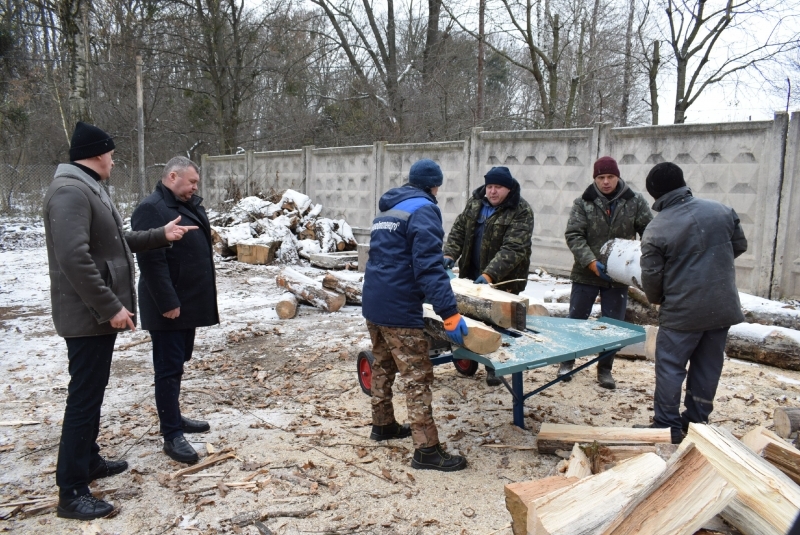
point(281, 228)
point(632, 481)
point(329, 295)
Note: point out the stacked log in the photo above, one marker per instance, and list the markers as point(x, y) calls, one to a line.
point(712, 473)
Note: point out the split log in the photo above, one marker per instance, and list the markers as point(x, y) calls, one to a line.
point(257, 253)
point(787, 421)
point(775, 450)
point(579, 464)
point(590, 506)
point(352, 289)
point(481, 339)
point(767, 501)
point(680, 502)
point(775, 346)
point(363, 256)
point(482, 302)
point(286, 307)
point(519, 495)
point(309, 290)
point(554, 437)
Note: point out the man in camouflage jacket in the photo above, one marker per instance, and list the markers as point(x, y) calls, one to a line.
point(491, 238)
point(608, 209)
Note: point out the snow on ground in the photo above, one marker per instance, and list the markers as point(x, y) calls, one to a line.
point(284, 396)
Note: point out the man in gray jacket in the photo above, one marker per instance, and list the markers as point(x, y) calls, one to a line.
point(93, 298)
point(687, 268)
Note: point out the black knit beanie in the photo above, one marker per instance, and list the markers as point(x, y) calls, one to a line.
point(88, 141)
point(425, 174)
point(663, 178)
point(500, 176)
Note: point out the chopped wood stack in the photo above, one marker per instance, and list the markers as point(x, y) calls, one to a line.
point(711, 473)
point(289, 225)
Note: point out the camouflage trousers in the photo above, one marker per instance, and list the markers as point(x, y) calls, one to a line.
point(404, 350)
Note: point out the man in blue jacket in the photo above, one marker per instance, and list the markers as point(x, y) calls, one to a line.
point(404, 269)
point(177, 294)
point(687, 268)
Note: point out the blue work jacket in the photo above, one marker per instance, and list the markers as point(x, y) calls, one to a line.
point(405, 261)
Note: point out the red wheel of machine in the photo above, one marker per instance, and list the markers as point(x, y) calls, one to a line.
point(465, 366)
point(364, 368)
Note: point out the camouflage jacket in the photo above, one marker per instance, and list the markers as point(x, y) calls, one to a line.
point(590, 227)
point(506, 245)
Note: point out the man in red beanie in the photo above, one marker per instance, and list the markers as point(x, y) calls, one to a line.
point(93, 298)
point(608, 209)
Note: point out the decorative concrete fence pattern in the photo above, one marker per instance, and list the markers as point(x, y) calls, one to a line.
point(753, 167)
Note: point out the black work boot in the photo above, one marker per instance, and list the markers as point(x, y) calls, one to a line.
point(105, 468)
point(194, 426)
point(605, 379)
point(491, 378)
point(85, 507)
point(180, 450)
point(388, 432)
point(565, 368)
point(435, 458)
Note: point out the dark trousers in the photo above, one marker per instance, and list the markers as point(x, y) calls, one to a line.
point(170, 350)
point(703, 351)
point(613, 303)
point(89, 369)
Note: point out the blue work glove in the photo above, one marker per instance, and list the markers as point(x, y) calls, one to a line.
point(601, 270)
point(456, 328)
point(448, 262)
point(481, 280)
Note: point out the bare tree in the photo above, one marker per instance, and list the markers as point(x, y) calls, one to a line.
point(74, 18)
point(711, 42)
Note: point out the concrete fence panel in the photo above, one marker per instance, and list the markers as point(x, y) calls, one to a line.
point(342, 180)
point(277, 170)
point(223, 178)
point(553, 167)
point(452, 157)
point(786, 277)
point(737, 164)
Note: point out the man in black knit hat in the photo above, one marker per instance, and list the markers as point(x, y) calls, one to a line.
point(93, 298)
point(491, 238)
point(687, 267)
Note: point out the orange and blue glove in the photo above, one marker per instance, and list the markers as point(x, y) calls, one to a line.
point(456, 328)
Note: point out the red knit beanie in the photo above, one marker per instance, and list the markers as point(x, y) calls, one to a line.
point(606, 166)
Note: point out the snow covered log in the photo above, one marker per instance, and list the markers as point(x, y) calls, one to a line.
point(621, 258)
point(352, 289)
point(767, 500)
point(309, 290)
point(787, 421)
point(765, 344)
point(686, 496)
point(286, 307)
point(481, 339)
point(591, 505)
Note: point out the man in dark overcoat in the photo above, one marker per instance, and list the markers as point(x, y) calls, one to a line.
point(93, 298)
point(687, 267)
point(177, 294)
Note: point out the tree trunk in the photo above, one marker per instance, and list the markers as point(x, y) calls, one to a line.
point(652, 75)
point(680, 91)
point(628, 68)
point(74, 15)
point(481, 37)
point(429, 55)
point(351, 289)
point(310, 290)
